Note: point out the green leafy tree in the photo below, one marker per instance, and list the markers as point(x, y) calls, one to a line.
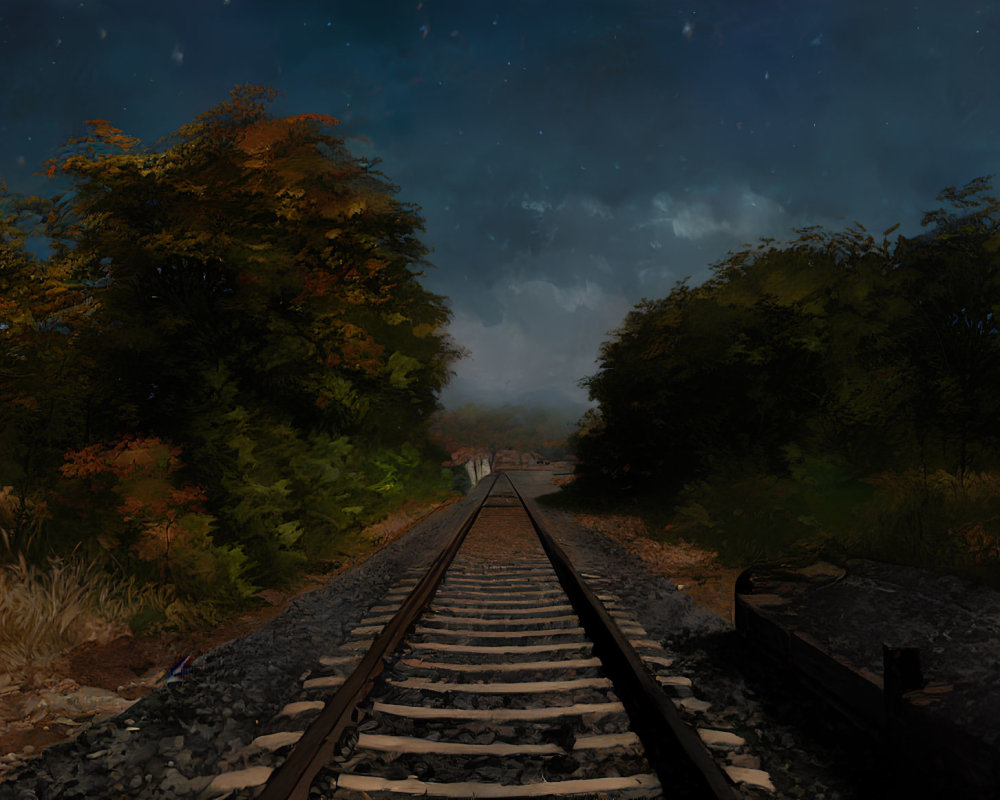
point(244, 297)
point(814, 370)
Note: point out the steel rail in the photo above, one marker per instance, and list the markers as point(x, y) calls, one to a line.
point(318, 745)
point(673, 748)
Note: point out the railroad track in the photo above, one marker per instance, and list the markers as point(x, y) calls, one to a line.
point(498, 672)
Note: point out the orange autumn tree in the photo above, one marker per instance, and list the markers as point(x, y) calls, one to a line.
point(256, 302)
point(265, 241)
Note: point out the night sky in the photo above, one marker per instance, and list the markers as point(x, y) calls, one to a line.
point(570, 158)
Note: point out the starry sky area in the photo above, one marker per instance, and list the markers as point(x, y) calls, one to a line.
point(570, 157)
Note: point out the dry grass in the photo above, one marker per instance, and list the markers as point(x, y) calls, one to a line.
point(44, 612)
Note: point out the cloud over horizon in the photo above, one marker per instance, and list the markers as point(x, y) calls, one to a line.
point(545, 341)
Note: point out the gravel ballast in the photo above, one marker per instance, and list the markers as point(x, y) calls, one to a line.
point(172, 743)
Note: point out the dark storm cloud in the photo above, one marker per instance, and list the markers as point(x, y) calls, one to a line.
point(569, 158)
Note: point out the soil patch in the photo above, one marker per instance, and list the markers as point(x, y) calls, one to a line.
point(694, 570)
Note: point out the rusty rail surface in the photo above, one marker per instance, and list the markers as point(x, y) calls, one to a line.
point(663, 733)
point(316, 748)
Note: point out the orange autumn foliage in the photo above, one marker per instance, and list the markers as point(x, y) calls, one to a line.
point(140, 472)
point(262, 135)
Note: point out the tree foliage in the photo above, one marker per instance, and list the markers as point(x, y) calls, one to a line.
point(241, 304)
point(869, 355)
point(261, 247)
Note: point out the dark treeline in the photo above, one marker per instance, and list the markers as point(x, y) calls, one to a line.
point(833, 387)
point(225, 365)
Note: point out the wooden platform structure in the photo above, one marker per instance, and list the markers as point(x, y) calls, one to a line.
point(911, 657)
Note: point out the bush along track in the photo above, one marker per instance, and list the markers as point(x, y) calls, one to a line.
point(221, 371)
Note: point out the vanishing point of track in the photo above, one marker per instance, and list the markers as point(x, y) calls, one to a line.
point(498, 672)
